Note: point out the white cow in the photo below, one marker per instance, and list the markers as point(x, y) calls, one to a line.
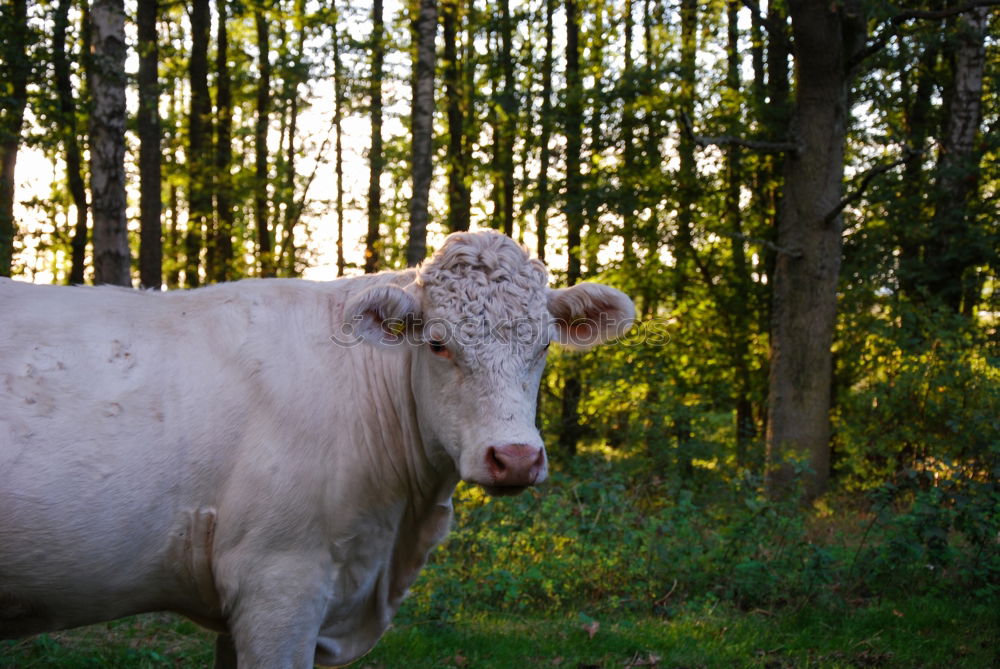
point(239, 455)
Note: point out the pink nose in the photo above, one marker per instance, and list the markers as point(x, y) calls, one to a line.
point(515, 464)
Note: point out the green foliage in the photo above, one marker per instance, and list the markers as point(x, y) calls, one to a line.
point(609, 540)
point(924, 402)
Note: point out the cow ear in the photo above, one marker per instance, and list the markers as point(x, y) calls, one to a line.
point(589, 314)
point(384, 316)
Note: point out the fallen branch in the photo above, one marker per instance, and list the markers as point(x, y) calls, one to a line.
point(866, 179)
point(731, 140)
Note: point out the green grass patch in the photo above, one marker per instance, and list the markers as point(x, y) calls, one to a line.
point(917, 632)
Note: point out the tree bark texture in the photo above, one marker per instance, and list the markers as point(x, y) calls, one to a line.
point(949, 254)
point(338, 115)
point(457, 166)
point(261, 214)
point(70, 141)
point(199, 145)
point(508, 120)
point(16, 68)
point(376, 159)
point(544, 191)
point(806, 273)
point(221, 244)
point(422, 128)
point(112, 256)
point(569, 434)
point(148, 126)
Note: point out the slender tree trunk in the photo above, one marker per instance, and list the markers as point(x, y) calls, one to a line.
point(338, 113)
point(458, 214)
point(628, 141)
point(261, 213)
point(544, 194)
point(148, 123)
point(806, 273)
point(222, 242)
point(16, 68)
point(739, 307)
point(422, 126)
point(173, 238)
point(112, 257)
point(683, 249)
point(574, 142)
point(286, 253)
point(948, 255)
point(71, 145)
point(199, 146)
point(508, 120)
point(376, 159)
point(569, 435)
point(909, 209)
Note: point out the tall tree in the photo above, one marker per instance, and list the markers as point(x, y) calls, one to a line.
point(221, 242)
point(628, 206)
point(738, 307)
point(15, 70)
point(545, 154)
point(508, 120)
point(199, 144)
point(338, 115)
point(827, 38)
point(569, 434)
point(683, 247)
point(951, 253)
point(457, 167)
point(71, 146)
point(422, 127)
point(112, 257)
point(148, 126)
point(261, 209)
point(376, 159)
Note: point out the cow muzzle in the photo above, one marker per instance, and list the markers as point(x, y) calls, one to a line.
point(513, 467)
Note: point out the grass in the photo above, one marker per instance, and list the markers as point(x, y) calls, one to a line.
point(927, 631)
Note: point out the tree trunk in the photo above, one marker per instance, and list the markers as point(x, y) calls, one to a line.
point(376, 159)
point(739, 307)
point(949, 255)
point(199, 146)
point(222, 232)
point(16, 68)
point(544, 194)
point(628, 141)
point(338, 113)
point(148, 125)
point(112, 257)
point(422, 128)
point(508, 120)
point(806, 272)
point(286, 252)
point(261, 213)
point(71, 145)
point(683, 249)
point(569, 435)
point(457, 167)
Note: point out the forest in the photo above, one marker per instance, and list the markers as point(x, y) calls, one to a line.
point(793, 459)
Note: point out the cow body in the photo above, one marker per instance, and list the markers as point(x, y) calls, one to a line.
point(231, 454)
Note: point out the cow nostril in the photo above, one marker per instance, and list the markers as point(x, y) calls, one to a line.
point(496, 465)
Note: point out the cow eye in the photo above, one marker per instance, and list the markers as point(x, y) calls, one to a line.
point(438, 348)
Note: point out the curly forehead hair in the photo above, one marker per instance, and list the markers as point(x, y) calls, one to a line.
point(484, 276)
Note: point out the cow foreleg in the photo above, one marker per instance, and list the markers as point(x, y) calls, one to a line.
point(225, 652)
point(277, 613)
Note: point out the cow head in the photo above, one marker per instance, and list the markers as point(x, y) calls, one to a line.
point(478, 320)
